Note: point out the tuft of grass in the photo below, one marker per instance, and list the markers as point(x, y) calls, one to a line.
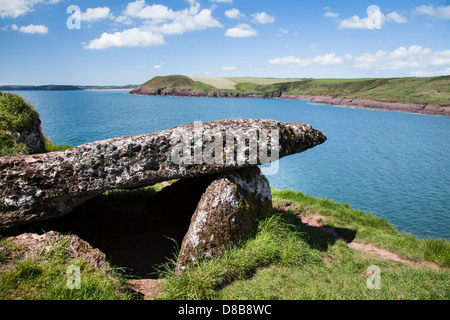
point(286, 259)
point(276, 242)
point(50, 146)
point(45, 277)
point(18, 116)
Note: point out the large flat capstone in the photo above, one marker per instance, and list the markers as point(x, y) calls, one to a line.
point(43, 186)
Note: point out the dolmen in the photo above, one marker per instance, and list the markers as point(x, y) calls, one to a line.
point(44, 186)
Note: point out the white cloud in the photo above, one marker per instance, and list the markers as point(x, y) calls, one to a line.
point(441, 12)
point(262, 17)
point(15, 8)
point(330, 14)
point(241, 31)
point(292, 61)
point(282, 31)
point(375, 20)
point(353, 22)
point(159, 20)
point(234, 14)
point(123, 20)
point(229, 68)
point(421, 73)
point(93, 14)
point(162, 19)
point(402, 58)
point(396, 17)
point(141, 67)
point(158, 66)
point(128, 38)
point(31, 28)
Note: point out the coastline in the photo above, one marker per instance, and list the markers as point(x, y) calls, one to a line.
point(373, 104)
point(369, 104)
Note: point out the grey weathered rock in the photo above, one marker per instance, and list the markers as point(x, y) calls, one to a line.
point(42, 186)
point(225, 214)
point(32, 246)
point(33, 136)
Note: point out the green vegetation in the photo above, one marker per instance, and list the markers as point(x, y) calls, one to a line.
point(287, 259)
point(433, 91)
point(44, 277)
point(18, 117)
point(169, 83)
point(283, 259)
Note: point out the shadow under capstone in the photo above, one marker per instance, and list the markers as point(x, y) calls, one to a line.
point(136, 231)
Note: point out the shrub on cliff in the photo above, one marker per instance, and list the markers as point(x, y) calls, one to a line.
point(20, 126)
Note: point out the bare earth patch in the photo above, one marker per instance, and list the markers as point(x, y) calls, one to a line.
point(150, 288)
point(318, 221)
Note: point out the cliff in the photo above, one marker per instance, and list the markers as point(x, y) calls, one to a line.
point(417, 95)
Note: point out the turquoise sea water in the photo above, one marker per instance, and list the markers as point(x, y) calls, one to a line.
point(395, 165)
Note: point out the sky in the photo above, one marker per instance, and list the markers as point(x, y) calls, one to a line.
point(129, 42)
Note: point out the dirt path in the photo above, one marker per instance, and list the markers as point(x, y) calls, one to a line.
point(316, 220)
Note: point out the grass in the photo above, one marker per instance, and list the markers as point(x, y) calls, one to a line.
point(283, 259)
point(433, 91)
point(18, 116)
point(44, 277)
point(286, 259)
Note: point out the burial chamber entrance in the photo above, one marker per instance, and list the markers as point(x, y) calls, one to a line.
point(137, 230)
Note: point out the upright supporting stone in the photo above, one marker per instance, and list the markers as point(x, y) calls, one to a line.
point(225, 214)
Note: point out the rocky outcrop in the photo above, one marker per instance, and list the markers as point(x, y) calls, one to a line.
point(32, 246)
point(373, 104)
point(43, 186)
point(167, 92)
point(33, 136)
point(226, 213)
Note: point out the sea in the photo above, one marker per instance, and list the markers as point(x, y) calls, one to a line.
point(391, 164)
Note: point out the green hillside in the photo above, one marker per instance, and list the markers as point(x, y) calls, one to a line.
point(434, 91)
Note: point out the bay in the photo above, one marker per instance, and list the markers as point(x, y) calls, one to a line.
point(394, 165)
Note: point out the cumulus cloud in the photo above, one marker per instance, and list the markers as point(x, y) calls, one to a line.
point(440, 12)
point(40, 29)
point(242, 30)
point(158, 20)
point(374, 20)
point(157, 66)
point(330, 14)
point(292, 61)
point(15, 8)
point(234, 14)
point(128, 38)
point(93, 14)
point(396, 17)
point(420, 73)
point(402, 58)
point(262, 17)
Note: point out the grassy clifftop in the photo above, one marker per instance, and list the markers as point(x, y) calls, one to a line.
point(433, 91)
point(304, 248)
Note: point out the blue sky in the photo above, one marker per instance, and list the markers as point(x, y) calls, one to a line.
point(129, 42)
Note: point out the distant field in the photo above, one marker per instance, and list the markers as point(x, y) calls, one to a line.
point(263, 81)
point(219, 83)
point(231, 82)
